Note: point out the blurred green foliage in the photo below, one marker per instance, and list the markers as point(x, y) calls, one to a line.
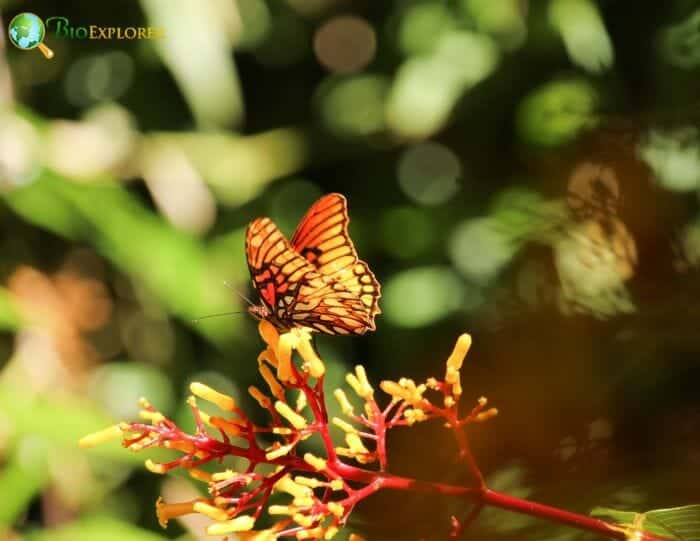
point(524, 170)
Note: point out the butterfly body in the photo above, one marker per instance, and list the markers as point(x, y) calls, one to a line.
point(316, 280)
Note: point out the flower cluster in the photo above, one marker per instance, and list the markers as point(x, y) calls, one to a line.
point(319, 492)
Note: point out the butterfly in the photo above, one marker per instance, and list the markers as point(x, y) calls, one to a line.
point(316, 280)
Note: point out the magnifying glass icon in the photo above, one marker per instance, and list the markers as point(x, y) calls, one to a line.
point(27, 31)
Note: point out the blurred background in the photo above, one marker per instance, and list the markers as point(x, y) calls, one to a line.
point(526, 171)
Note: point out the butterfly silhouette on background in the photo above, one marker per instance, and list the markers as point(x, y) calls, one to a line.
point(316, 280)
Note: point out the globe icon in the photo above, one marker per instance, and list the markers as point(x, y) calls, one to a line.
point(27, 31)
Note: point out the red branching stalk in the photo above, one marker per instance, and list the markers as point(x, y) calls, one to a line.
point(321, 491)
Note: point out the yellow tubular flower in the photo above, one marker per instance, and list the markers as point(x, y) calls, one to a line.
point(486, 415)
point(184, 446)
point(288, 485)
point(414, 415)
point(268, 333)
point(451, 375)
point(167, 511)
point(296, 420)
point(268, 355)
point(336, 508)
point(301, 400)
point(154, 467)
point(317, 463)
point(284, 356)
point(222, 401)
point(336, 484)
point(394, 389)
point(308, 481)
point(459, 352)
point(154, 416)
point(260, 397)
point(200, 475)
point(96, 438)
point(354, 383)
point(314, 363)
point(224, 475)
point(303, 520)
point(281, 510)
point(303, 502)
point(279, 451)
point(345, 404)
point(210, 511)
point(355, 444)
point(242, 523)
point(275, 388)
point(230, 428)
point(366, 390)
point(344, 425)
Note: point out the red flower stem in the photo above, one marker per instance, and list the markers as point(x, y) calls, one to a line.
point(485, 496)
point(464, 449)
point(581, 522)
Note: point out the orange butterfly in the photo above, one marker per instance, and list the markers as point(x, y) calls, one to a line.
point(317, 280)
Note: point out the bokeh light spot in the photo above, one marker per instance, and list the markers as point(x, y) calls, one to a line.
point(119, 386)
point(354, 106)
point(504, 20)
point(345, 44)
point(428, 173)
point(674, 157)
point(680, 43)
point(479, 250)
point(191, 207)
point(555, 113)
point(427, 87)
point(20, 151)
point(583, 31)
point(103, 143)
point(421, 296)
point(421, 26)
point(254, 23)
point(98, 77)
point(406, 232)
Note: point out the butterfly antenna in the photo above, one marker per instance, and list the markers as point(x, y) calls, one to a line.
point(241, 295)
point(215, 315)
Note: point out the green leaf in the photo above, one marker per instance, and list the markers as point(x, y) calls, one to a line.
point(100, 527)
point(23, 476)
point(61, 422)
point(137, 240)
point(678, 523)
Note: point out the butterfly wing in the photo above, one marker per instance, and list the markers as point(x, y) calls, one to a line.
point(294, 291)
point(322, 239)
